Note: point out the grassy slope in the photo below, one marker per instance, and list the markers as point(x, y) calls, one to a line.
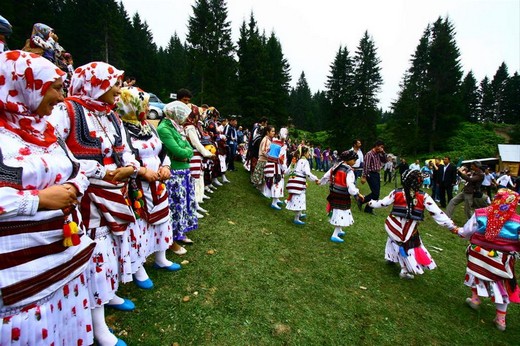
point(270, 282)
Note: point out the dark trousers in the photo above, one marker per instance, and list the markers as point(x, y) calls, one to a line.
point(374, 182)
point(230, 157)
point(445, 189)
point(387, 176)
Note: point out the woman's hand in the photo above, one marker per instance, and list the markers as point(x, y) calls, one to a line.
point(123, 173)
point(164, 173)
point(148, 174)
point(58, 197)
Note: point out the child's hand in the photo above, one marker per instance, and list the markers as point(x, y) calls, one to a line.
point(360, 197)
point(317, 182)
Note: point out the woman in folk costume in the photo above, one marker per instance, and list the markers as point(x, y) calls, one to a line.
point(275, 169)
point(212, 129)
point(297, 184)
point(258, 176)
point(180, 186)
point(342, 185)
point(44, 251)
point(96, 136)
point(194, 135)
point(404, 244)
point(148, 195)
point(494, 234)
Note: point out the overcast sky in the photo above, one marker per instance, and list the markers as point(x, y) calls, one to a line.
point(487, 32)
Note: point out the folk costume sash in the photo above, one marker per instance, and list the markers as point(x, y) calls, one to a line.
point(296, 185)
point(490, 265)
point(34, 262)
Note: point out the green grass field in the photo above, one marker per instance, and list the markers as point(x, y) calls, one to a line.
point(254, 278)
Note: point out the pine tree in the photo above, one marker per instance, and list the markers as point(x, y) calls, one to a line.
point(341, 96)
point(301, 105)
point(487, 109)
point(498, 85)
point(511, 104)
point(470, 98)
point(367, 84)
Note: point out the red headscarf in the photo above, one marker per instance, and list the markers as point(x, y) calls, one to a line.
point(501, 209)
point(24, 79)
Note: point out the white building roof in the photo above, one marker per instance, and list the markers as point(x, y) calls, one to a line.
point(509, 152)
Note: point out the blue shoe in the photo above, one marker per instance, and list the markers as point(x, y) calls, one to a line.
point(120, 343)
point(336, 239)
point(298, 222)
point(303, 216)
point(145, 284)
point(275, 207)
point(173, 268)
point(127, 305)
point(341, 234)
point(280, 202)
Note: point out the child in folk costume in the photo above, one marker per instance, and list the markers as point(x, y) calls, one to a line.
point(494, 234)
point(404, 244)
point(342, 185)
point(275, 169)
point(297, 185)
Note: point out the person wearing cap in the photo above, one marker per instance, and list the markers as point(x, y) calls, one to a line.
point(5, 31)
point(342, 182)
point(404, 244)
point(471, 191)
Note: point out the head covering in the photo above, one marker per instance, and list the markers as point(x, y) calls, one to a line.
point(5, 27)
point(132, 107)
point(284, 133)
point(194, 116)
point(41, 30)
point(412, 179)
point(24, 80)
point(89, 82)
point(501, 209)
point(348, 155)
point(177, 112)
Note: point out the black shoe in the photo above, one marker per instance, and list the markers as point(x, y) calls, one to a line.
point(371, 212)
point(359, 204)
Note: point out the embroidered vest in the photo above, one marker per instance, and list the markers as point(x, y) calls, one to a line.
point(506, 240)
point(82, 144)
point(400, 207)
point(339, 180)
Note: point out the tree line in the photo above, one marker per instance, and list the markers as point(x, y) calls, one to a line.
point(251, 77)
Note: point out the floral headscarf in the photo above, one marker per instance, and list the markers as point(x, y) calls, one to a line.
point(194, 116)
point(132, 107)
point(177, 111)
point(501, 209)
point(41, 30)
point(24, 80)
point(89, 82)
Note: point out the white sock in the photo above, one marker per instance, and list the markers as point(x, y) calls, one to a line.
point(161, 260)
point(297, 215)
point(141, 274)
point(116, 300)
point(100, 328)
point(336, 232)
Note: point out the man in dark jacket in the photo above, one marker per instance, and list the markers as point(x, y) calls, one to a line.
point(470, 192)
point(448, 178)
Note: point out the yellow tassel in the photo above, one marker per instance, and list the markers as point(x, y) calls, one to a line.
point(491, 253)
point(70, 234)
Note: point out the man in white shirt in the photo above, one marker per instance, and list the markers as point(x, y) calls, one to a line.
point(358, 165)
point(416, 165)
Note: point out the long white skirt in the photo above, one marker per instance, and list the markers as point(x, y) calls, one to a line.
point(341, 218)
point(62, 318)
point(160, 238)
point(297, 202)
point(409, 262)
point(103, 269)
